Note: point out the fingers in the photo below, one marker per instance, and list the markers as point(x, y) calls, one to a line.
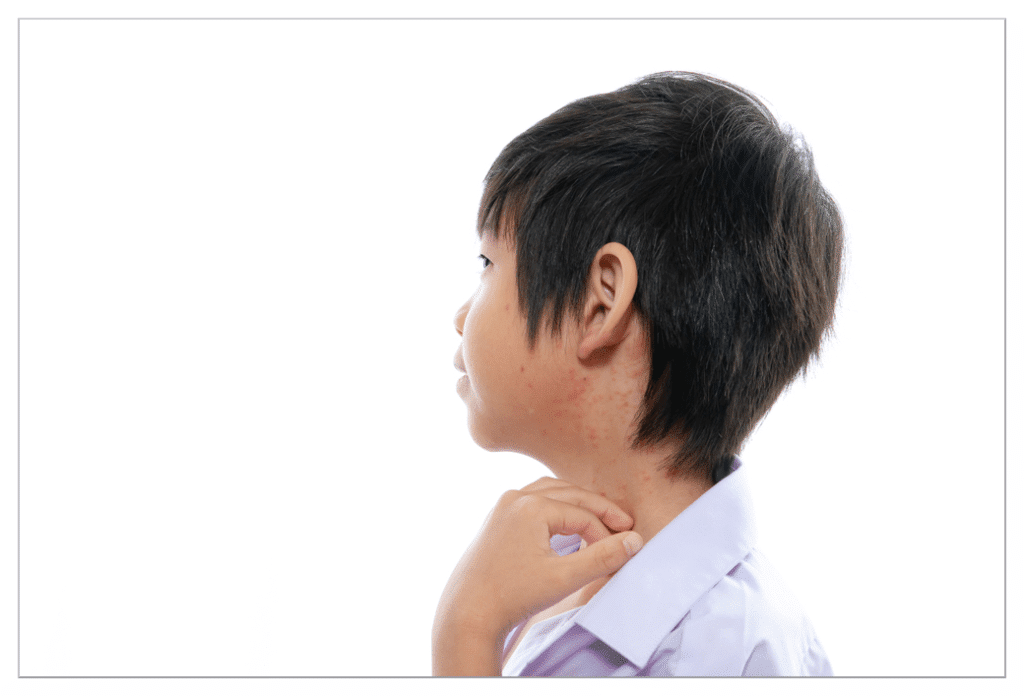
point(547, 482)
point(601, 554)
point(597, 560)
point(613, 517)
point(566, 518)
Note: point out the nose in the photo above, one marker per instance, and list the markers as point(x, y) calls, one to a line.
point(460, 316)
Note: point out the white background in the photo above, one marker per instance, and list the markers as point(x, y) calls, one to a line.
point(242, 244)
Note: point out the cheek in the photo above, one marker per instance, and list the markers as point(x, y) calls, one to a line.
point(558, 393)
point(484, 345)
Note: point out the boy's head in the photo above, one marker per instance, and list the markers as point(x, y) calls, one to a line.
point(737, 247)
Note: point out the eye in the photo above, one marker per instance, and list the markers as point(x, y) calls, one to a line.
point(487, 261)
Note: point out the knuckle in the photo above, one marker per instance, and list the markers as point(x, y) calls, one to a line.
point(608, 557)
point(542, 482)
point(531, 503)
point(509, 498)
point(524, 503)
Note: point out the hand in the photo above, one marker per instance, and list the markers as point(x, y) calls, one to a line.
point(510, 573)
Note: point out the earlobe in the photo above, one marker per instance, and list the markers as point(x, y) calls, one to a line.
point(609, 304)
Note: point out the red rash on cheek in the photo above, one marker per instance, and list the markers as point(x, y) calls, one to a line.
point(575, 393)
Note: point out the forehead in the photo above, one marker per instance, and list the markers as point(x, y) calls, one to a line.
point(499, 210)
point(491, 235)
point(491, 245)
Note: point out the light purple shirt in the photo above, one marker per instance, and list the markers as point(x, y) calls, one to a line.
point(697, 600)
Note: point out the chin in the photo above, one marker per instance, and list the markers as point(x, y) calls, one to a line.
point(489, 438)
point(480, 435)
point(485, 440)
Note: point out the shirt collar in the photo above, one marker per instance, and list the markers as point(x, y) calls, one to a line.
point(649, 595)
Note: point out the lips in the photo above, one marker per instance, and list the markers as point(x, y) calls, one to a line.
point(462, 385)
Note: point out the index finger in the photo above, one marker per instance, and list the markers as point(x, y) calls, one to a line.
point(566, 518)
point(611, 515)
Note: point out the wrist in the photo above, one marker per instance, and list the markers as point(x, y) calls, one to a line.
point(471, 621)
point(466, 645)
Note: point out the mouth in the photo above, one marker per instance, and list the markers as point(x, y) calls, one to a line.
point(459, 365)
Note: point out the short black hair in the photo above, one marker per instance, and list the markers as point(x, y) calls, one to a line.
point(738, 246)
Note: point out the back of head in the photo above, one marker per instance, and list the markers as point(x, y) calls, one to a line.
point(738, 246)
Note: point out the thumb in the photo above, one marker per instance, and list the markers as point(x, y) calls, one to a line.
point(600, 558)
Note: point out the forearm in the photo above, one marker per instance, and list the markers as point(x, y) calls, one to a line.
point(462, 650)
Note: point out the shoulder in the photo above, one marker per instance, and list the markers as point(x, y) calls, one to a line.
point(750, 624)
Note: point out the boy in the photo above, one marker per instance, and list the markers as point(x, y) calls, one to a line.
point(659, 263)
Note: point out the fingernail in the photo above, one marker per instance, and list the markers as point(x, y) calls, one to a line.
point(632, 542)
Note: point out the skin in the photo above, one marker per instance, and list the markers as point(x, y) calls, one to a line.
point(570, 403)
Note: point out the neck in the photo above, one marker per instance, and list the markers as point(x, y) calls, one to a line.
point(636, 481)
point(594, 452)
point(590, 426)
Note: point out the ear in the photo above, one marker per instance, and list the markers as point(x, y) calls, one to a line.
point(608, 311)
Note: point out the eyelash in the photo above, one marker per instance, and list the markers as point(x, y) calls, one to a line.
point(487, 261)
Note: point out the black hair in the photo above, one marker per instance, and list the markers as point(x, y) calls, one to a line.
point(738, 246)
